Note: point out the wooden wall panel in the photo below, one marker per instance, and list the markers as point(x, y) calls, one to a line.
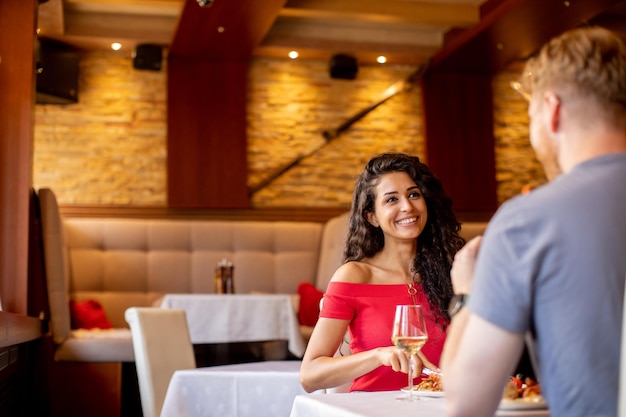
point(207, 102)
point(207, 142)
point(17, 36)
point(457, 93)
point(458, 119)
point(295, 214)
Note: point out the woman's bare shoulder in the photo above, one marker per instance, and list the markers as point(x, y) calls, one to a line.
point(354, 272)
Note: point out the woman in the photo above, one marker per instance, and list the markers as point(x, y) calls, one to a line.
point(401, 243)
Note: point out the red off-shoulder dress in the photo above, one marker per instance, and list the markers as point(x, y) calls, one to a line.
point(371, 309)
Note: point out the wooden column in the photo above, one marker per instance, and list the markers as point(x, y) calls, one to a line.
point(457, 96)
point(17, 82)
point(207, 140)
point(458, 118)
point(207, 101)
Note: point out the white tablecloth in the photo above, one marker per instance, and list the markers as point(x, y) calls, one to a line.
point(226, 318)
point(380, 404)
point(260, 389)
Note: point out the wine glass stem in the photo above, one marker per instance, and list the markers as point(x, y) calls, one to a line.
point(411, 370)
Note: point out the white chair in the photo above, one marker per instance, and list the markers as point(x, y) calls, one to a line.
point(162, 345)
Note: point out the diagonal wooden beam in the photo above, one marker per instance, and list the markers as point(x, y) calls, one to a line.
point(513, 30)
point(396, 88)
point(613, 20)
point(331, 134)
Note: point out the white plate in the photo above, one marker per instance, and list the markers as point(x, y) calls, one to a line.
point(425, 393)
point(522, 405)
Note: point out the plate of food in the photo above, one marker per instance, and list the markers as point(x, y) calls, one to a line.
point(536, 403)
point(429, 387)
point(522, 394)
point(425, 393)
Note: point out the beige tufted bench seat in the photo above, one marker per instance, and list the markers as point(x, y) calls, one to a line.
point(132, 262)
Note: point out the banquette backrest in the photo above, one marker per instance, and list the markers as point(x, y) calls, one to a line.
point(124, 263)
point(132, 262)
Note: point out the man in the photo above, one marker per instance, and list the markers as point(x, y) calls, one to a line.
point(552, 263)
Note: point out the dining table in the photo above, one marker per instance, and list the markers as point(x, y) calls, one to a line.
point(385, 404)
point(229, 318)
point(259, 389)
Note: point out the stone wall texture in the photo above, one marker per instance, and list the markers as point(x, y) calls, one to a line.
point(110, 147)
point(516, 165)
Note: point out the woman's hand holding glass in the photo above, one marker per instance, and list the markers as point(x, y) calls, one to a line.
point(409, 334)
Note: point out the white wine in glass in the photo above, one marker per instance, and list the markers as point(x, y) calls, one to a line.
point(409, 334)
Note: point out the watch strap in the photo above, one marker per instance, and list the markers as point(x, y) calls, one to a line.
point(457, 302)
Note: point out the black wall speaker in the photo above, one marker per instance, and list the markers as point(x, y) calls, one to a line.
point(57, 73)
point(148, 57)
point(343, 66)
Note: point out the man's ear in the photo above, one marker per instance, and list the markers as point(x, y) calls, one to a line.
point(552, 105)
point(371, 217)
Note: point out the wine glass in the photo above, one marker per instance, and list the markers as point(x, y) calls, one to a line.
point(409, 334)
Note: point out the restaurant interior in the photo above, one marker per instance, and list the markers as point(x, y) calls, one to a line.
point(236, 111)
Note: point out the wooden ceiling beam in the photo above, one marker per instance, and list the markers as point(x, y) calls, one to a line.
point(225, 31)
point(613, 19)
point(154, 29)
point(315, 31)
point(427, 13)
point(513, 30)
point(138, 7)
point(50, 19)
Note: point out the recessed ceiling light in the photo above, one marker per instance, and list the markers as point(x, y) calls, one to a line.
point(116, 46)
point(293, 54)
point(381, 59)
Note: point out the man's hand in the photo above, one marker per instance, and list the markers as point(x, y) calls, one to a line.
point(462, 272)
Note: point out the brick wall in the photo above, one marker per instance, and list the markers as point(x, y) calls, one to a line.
point(516, 165)
point(110, 147)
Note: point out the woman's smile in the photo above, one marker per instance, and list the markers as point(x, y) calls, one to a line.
point(409, 220)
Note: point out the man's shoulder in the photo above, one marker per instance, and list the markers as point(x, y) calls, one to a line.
point(525, 207)
point(524, 218)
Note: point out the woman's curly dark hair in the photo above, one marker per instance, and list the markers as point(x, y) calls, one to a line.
point(436, 245)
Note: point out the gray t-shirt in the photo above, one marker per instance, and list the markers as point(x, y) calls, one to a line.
point(554, 261)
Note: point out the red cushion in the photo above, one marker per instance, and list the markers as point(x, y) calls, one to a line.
point(309, 309)
point(88, 314)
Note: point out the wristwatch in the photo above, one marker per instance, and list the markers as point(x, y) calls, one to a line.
point(456, 304)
